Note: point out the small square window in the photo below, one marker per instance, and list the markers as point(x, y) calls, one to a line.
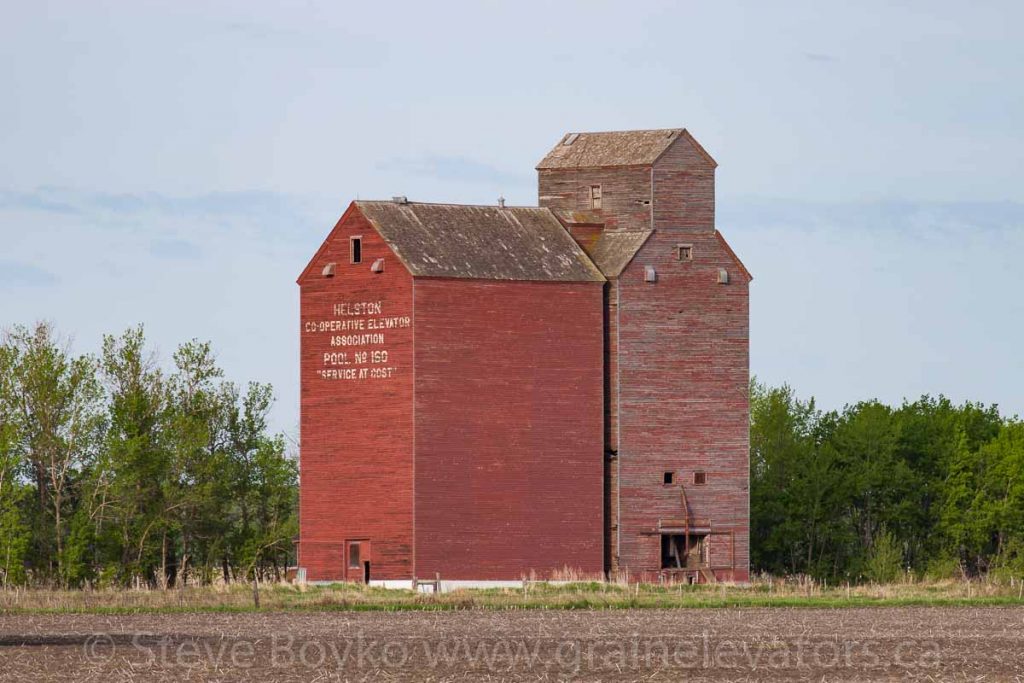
point(700, 478)
point(356, 249)
point(684, 252)
point(595, 196)
point(666, 478)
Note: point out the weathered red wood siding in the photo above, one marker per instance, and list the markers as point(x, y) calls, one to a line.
point(509, 410)
point(611, 424)
point(356, 451)
point(625, 200)
point(677, 367)
point(683, 397)
point(696, 367)
point(684, 189)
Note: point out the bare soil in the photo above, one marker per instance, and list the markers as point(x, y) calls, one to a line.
point(916, 643)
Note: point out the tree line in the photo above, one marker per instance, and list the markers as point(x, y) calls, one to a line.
point(114, 471)
point(875, 492)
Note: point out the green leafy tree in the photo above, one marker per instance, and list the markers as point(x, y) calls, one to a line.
point(15, 533)
point(264, 482)
point(998, 510)
point(127, 503)
point(61, 423)
point(939, 483)
point(113, 471)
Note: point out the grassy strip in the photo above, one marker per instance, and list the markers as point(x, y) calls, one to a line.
point(469, 600)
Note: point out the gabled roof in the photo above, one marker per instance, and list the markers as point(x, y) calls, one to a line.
point(619, 148)
point(480, 242)
point(610, 250)
point(732, 254)
point(615, 249)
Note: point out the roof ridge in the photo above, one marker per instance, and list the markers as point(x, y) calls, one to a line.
point(630, 130)
point(467, 206)
point(619, 148)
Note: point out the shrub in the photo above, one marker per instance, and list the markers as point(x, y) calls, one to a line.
point(943, 568)
point(885, 559)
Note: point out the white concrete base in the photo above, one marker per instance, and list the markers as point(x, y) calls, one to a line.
point(447, 586)
point(398, 584)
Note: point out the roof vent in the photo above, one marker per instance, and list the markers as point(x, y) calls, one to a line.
point(723, 276)
point(400, 199)
point(378, 266)
point(650, 275)
point(570, 138)
point(501, 202)
point(329, 270)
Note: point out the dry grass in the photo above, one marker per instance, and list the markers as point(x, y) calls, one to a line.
point(763, 592)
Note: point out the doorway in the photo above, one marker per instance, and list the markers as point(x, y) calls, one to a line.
point(684, 551)
point(357, 561)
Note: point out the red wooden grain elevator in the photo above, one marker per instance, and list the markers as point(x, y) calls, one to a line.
point(490, 393)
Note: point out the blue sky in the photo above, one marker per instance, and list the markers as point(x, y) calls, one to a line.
point(176, 163)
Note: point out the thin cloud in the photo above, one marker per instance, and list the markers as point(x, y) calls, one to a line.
point(854, 300)
point(19, 274)
point(820, 57)
point(175, 249)
point(66, 200)
point(260, 211)
point(456, 169)
point(338, 48)
point(34, 201)
point(868, 217)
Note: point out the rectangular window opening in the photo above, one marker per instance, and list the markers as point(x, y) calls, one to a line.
point(356, 249)
point(667, 478)
point(595, 196)
point(684, 252)
point(353, 556)
point(700, 478)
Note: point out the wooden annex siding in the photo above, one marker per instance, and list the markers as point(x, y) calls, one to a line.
point(356, 442)
point(684, 188)
point(509, 414)
point(683, 398)
point(479, 455)
point(676, 345)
